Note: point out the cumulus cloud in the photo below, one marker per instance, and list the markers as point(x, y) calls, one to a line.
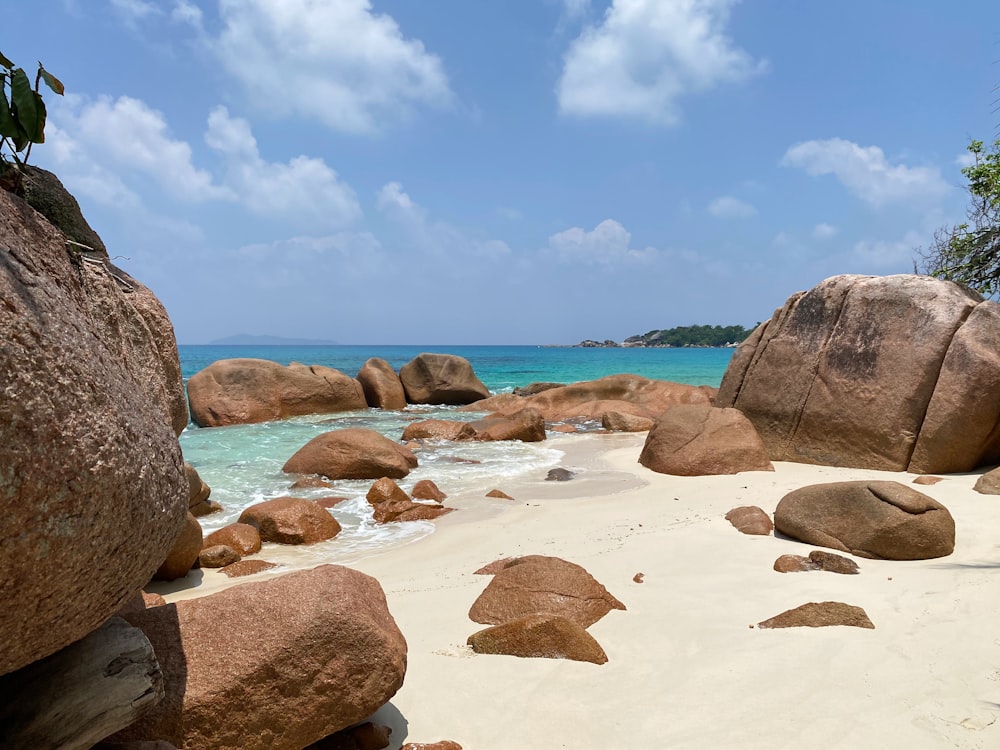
point(647, 54)
point(337, 61)
point(881, 254)
point(607, 244)
point(728, 207)
point(824, 231)
point(305, 190)
point(866, 171)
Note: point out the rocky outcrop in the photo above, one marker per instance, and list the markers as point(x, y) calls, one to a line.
point(353, 453)
point(391, 503)
point(697, 440)
point(896, 373)
point(820, 615)
point(301, 656)
point(91, 477)
point(749, 519)
point(543, 636)
point(540, 584)
point(382, 386)
point(246, 391)
point(626, 394)
point(441, 379)
point(291, 520)
point(872, 519)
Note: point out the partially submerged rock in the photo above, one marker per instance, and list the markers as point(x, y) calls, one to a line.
point(291, 520)
point(353, 453)
point(441, 379)
point(391, 503)
point(382, 386)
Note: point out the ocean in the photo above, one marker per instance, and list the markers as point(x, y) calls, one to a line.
point(242, 463)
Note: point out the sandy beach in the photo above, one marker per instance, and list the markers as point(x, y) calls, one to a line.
point(686, 668)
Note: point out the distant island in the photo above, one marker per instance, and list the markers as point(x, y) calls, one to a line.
point(246, 339)
point(691, 336)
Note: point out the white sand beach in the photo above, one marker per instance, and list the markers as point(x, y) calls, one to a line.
point(686, 667)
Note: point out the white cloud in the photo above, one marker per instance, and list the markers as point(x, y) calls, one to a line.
point(728, 207)
point(882, 254)
point(336, 61)
point(298, 260)
point(305, 190)
point(965, 159)
point(186, 12)
point(824, 231)
point(646, 54)
point(608, 245)
point(866, 171)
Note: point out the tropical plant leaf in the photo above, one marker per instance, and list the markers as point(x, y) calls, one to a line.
point(25, 101)
point(5, 62)
point(8, 126)
point(39, 135)
point(51, 81)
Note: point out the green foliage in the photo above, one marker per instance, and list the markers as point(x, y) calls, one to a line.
point(22, 110)
point(693, 336)
point(969, 253)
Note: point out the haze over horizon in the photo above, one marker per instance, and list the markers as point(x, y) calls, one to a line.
point(525, 172)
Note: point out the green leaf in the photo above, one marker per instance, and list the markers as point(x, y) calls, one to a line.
point(8, 127)
point(26, 106)
point(51, 81)
point(5, 62)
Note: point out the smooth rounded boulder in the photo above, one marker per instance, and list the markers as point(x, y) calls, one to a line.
point(248, 391)
point(874, 519)
point(291, 520)
point(382, 386)
point(353, 453)
point(900, 373)
point(693, 440)
point(441, 379)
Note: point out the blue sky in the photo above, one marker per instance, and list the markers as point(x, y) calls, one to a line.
point(506, 172)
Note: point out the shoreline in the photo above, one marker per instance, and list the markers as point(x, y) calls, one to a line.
point(685, 670)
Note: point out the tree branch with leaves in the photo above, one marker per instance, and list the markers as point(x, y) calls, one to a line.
point(22, 110)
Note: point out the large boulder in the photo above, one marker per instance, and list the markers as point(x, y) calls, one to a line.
point(625, 394)
point(242, 537)
point(382, 386)
point(184, 553)
point(526, 425)
point(245, 391)
point(439, 429)
point(876, 519)
point(275, 664)
point(92, 481)
point(352, 453)
point(441, 379)
point(291, 520)
point(896, 373)
point(697, 440)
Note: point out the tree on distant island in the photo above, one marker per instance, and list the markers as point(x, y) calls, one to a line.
point(701, 335)
point(969, 253)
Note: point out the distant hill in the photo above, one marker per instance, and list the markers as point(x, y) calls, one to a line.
point(691, 336)
point(247, 339)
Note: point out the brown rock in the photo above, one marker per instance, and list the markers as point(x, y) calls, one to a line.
point(242, 537)
point(699, 440)
point(749, 519)
point(988, 483)
point(874, 372)
point(618, 422)
point(638, 577)
point(330, 502)
point(793, 564)
point(491, 569)
point(92, 481)
point(354, 453)
point(246, 391)
point(439, 745)
point(425, 489)
point(567, 429)
point(391, 503)
point(218, 556)
point(820, 615)
point(302, 655)
point(545, 636)
point(441, 379)
point(559, 474)
point(526, 425)
point(532, 388)
point(206, 508)
point(539, 584)
point(198, 491)
point(365, 736)
point(927, 480)
point(184, 554)
point(875, 519)
point(382, 386)
point(291, 520)
point(310, 483)
point(500, 494)
point(817, 560)
point(247, 568)
point(439, 429)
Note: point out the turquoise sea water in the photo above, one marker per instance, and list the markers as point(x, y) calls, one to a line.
point(242, 464)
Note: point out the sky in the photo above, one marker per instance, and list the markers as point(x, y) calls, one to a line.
point(506, 171)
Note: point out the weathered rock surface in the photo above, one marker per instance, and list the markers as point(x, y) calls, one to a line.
point(820, 615)
point(184, 554)
point(896, 372)
point(81, 694)
point(246, 391)
point(873, 519)
point(353, 453)
point(242, 537)
point(988, 483)
point(817, 560)
point(91, 476)
point(618, 422)
point(218, 556)
point(291, 520)
point(545, 636)
point(559, 474)
point(382, 386)
point(626, 394)
point(749, 519)
point(928, 480)
point(526, 425)
point(425, 489)
point(247, 568)
point(198, 494)
point(439, 429)
point(539, 584)
point(439, 745)
point(499, 494)
point(391, 503)
point(302, 656)
point(365, 736)
point(441, 379)
point(699, 440)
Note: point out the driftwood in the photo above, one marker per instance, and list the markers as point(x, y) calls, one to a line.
point(78, 696)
